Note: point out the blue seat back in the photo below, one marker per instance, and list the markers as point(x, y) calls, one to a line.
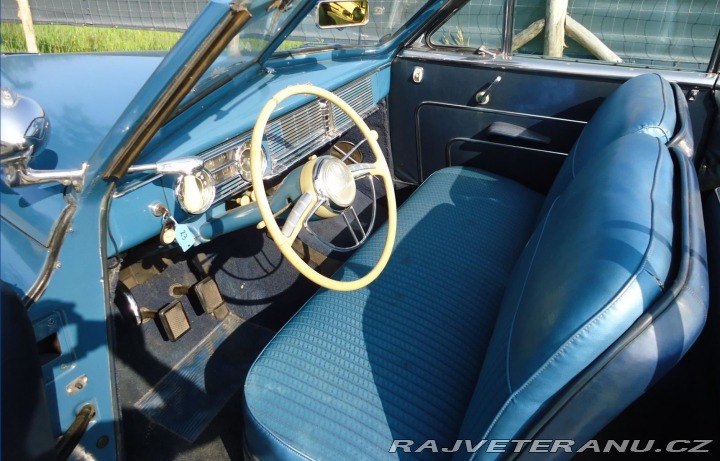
point(644, 104)
point(595, 262)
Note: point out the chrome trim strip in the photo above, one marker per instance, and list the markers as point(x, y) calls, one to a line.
point(448, 151)
point(56, 240)
point(292, 135)
point(559, 66)
point(498, 111)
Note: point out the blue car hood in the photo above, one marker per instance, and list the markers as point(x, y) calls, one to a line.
point(83, 95)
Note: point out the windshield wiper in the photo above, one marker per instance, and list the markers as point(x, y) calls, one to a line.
point(305, 46)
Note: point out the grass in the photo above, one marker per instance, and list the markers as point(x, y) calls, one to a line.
point(78, 39)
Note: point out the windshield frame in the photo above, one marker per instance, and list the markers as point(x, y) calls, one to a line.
point(421, 16)
point(299, 11)
point(207, 85)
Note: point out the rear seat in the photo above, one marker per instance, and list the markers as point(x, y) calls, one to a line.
point(494, 300)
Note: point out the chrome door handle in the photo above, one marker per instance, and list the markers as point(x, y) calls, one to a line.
point(483, 96)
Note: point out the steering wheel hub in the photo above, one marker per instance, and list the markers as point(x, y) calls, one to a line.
point(334, 181)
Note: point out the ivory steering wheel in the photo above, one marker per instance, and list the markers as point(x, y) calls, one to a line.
point(328, 187)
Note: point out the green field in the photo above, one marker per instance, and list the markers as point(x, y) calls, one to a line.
point(74, 39)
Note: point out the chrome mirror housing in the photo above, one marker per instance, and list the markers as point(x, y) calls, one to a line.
point(24, 131)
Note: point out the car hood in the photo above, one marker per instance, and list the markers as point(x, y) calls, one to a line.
point(83, 95)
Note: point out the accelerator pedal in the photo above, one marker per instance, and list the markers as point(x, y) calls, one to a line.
point(211, 299)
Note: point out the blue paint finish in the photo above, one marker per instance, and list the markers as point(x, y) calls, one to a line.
point(203, 127)
point(78, 122)
point(381, 84)
point(77, 293)
point(78, 288)
point(22, 258)
point(131, 221)
point(248, 215)
point(98, 121)
point(33, 209)
point(82, 106)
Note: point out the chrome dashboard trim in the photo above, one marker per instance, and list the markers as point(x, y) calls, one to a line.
point(289, 137)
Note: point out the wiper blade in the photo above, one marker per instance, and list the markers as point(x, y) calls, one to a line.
point(305, 46)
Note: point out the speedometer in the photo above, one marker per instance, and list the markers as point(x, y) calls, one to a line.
point(243, 160)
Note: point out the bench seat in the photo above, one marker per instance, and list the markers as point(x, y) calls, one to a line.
point(495, 301)
point(408, 347)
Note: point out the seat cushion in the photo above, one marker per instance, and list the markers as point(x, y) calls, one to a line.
point(400, 358)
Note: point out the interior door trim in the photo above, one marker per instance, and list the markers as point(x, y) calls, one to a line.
point(446, 105)
point(559, 66)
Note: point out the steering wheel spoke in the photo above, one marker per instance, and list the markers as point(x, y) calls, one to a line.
point(353, 214)
point(361, 170)
point(299, 216)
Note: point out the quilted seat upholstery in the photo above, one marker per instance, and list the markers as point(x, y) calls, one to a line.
point(495, 300)
point(399, 358)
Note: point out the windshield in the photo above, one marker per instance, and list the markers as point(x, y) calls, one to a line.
point(269, 17)
point(385, 19)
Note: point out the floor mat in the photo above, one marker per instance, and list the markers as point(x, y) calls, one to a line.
point(194, 392)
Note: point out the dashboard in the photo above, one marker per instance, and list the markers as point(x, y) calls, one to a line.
point(289, 139)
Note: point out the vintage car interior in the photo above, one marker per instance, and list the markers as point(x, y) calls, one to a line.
point(313, 229)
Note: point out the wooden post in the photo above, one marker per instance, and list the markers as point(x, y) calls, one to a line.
point(527, 34)
point(234, 46)
point(589, 41)
point(27, 25)
point(555, 27)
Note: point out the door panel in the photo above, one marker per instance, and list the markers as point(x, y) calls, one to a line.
point(469, 137)
point(429, 119)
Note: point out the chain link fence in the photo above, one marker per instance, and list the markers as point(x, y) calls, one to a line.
point(167, 15)
point(672, 33)
point(675, 33)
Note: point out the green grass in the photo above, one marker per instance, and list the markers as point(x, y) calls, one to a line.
point(79, 39)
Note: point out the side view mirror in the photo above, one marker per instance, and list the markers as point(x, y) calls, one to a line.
point(24, 131)
point(342, 14)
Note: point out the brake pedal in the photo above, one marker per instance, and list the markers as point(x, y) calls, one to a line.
point(211, 299)
point(174, 320)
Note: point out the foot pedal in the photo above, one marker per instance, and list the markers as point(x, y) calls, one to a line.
point(174, 320)
point(210, 298)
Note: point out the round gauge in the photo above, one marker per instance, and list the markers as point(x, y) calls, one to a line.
point(195, 192)
point(243, 159)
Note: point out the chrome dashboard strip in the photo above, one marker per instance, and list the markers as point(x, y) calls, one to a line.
point(290, 137)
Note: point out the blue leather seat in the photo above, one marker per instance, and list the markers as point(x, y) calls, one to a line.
point(494, 306)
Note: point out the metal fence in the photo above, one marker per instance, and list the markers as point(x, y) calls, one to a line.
point(674, 33)
point(170, 15)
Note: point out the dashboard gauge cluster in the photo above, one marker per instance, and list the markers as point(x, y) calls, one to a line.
point(289, 139)
point(229, 166)
point(242, 154)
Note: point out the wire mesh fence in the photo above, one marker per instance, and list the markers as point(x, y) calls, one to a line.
point(169, 15)
point(674, 33)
